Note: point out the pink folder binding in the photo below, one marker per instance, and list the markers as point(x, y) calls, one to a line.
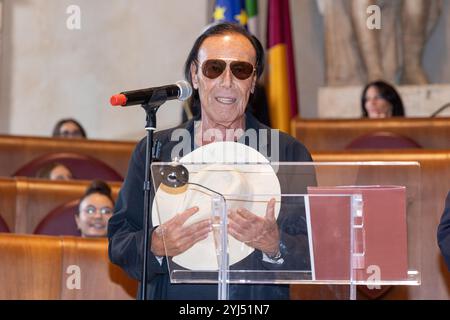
point(385, 233)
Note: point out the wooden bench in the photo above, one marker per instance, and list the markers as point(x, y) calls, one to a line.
point(8, 195)
point(15, 151)
point(327, 135)
point(45, 267)
point(25, 202)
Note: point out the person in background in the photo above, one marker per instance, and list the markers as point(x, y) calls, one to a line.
point(380, 100)
point(443, 233)
point(95, 209)
point(69, 128)
point(54, 171)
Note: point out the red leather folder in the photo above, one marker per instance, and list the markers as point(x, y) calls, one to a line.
point(384, 233)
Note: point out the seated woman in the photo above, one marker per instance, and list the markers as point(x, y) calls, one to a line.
point(95, 209)
point(54, 171)
point(380, 100)
point(69, 128)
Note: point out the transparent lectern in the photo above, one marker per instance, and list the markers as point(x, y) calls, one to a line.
point(349, 223)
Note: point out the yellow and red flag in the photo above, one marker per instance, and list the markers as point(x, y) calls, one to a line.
point(281, 85)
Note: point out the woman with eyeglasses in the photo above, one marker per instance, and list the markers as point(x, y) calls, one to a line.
point(380, 100)
point(95, 209)
point(222, 67)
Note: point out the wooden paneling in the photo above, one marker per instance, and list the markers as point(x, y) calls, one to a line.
point(15, 151)
point(8, 202)
point(323, 135)
point(44, 267)
point(99, 278)
point(30, 267)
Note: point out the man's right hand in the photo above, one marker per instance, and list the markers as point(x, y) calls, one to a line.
point(177, 237)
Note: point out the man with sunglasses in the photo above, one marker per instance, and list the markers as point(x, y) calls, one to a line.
point(222, 67)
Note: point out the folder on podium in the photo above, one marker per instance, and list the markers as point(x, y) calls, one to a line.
point(381, 236)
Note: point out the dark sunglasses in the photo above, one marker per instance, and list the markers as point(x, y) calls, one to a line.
point(213, 68)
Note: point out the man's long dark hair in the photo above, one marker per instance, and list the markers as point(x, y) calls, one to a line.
point(388, 93)
point(218, 30)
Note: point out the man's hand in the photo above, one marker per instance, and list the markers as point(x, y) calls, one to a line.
point(256, 232)
point(177, 237)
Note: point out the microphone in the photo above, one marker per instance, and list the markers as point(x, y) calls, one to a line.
point(181, 90)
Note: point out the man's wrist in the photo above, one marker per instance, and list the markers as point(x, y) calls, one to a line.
point(156, 245)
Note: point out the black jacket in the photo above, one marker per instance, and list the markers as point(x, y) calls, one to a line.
point(125, 226)
point(443, 233)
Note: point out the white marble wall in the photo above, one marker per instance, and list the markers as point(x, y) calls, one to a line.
point(50, 72)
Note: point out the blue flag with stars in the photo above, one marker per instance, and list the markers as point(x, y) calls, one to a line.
point(231, 11)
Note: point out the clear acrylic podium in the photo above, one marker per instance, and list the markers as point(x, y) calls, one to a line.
point(349, 223)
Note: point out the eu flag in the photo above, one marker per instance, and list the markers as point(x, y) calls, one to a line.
point(230, 10)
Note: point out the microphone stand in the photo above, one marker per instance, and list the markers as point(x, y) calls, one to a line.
point(150, 109)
